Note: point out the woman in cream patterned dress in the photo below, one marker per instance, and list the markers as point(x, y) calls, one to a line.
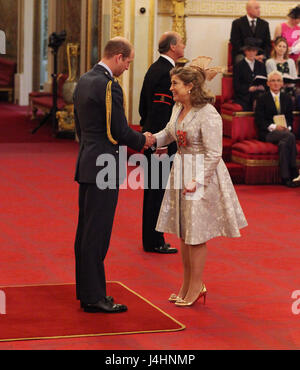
point(206, 206)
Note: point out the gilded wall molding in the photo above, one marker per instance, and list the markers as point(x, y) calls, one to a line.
point(228, 8)
point(117, 22)
point(117, 18)
point(179, 17)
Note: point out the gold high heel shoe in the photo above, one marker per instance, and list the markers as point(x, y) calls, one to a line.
point(174, 298)
point(183, 303)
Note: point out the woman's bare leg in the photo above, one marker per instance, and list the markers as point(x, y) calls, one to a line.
point(197, 262)
point(185, 256)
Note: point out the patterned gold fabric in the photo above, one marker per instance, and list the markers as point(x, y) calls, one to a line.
point(218, 211)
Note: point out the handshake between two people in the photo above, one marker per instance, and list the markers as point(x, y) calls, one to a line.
point(150, 140)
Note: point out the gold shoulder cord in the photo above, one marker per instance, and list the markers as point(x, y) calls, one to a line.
point(108, 113)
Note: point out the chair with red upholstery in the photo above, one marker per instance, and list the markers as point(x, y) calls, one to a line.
point(234, 118)
point(259, 159)
point(229, 57)
point(44, 100)
point(7, 73)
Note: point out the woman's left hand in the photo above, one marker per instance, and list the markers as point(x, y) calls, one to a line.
point(190, 187)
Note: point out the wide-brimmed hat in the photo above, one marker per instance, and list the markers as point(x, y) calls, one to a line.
point(251, 43)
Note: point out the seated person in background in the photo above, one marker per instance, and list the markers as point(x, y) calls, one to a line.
point(250, 26)
point(291, 32)
point(281, 62)
point(246, 84)
point(268, 107)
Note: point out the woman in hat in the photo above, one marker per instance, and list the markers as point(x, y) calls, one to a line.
point(246, 84)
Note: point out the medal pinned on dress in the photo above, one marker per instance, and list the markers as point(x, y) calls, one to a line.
point(181, 137)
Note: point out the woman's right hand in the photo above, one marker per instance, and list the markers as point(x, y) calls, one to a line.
point(190, 187)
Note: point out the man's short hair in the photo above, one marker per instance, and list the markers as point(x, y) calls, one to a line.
point(273, 73)
point(117, 46)
point(165, 44)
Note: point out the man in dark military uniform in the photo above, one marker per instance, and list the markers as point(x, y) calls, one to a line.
point(155, 108)
point(101, 126)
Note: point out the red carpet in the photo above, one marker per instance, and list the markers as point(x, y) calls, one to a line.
point(16, 125)
point(50, 311)
point(250, 280)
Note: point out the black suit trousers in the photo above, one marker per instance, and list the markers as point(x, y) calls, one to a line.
point(287, 152)
point(96, 214)
point(152, 201)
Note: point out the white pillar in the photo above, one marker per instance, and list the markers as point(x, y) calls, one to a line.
point(143, 41)
point(24, 78)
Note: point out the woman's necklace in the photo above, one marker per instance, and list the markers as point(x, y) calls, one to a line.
point(282, 67)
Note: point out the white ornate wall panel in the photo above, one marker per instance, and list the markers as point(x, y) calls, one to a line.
point(230, 8)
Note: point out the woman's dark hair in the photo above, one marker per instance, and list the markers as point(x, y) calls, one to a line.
point(295, 12)
point(196, 76)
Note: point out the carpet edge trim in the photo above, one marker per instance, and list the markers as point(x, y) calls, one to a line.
point(151, 304)
point(181, 326)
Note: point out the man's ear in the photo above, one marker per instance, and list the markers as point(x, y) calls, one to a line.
point(172, 47)
point(118, 58)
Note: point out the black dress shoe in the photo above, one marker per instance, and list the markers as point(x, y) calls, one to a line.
point(165, 249)
point(104, 306)
point(291, 184)
point(108, 297)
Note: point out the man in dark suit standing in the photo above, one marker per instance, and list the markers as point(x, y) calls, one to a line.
point(245, 85)
point(269, 105)
point(155, 108)
point(101, 127)
point(250, 26)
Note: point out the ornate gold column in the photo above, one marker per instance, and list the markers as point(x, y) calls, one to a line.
point(179, 17)
point(117, 22)
point(179, 24)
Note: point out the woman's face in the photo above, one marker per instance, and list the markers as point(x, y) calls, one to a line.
point(179, 90)
point(281, 48)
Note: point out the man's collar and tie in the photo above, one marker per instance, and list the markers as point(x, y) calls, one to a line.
point(276, 98)
point(250, 63)
point(169, 59)
point(106, 67)
point(252, 23)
